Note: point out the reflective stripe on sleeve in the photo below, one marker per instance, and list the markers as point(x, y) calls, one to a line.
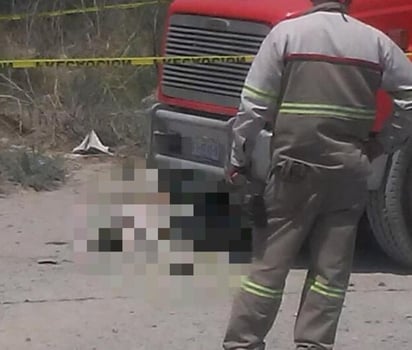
point(327, 110)
point(254, 92)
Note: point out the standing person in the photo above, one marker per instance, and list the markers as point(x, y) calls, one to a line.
point(314, 80)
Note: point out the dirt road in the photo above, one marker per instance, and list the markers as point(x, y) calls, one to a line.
point(68, 306)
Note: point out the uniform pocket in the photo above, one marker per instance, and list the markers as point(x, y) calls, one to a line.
point(284, 197)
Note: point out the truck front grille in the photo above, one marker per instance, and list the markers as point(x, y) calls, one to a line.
point(214, 83)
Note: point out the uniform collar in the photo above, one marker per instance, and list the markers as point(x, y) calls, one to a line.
point(331, 6)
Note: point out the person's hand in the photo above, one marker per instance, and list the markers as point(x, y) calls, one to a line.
point(235, 175)
point(373, 149)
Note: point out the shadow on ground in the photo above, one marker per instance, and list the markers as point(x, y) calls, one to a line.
point(216, 227)
point(369, 257)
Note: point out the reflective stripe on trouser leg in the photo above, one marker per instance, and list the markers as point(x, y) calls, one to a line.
point(251, 319)
point(261, 291)
point(332, 247)
point(290, 211)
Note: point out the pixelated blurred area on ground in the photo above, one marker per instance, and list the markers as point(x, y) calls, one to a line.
point(160, 225)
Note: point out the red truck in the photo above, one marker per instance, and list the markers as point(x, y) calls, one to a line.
point(197, 101)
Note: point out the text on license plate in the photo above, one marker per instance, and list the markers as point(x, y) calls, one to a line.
point(205, 148)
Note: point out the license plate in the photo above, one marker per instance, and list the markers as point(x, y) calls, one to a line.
point(206, 148)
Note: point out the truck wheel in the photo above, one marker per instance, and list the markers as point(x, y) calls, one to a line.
point(390, 208)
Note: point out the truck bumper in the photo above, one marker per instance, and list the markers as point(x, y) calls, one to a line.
point(171, 140)
point(171, 134)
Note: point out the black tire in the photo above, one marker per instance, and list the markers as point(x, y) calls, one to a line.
point(390, 208)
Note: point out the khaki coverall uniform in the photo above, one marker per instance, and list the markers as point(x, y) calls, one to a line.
point(314, 80)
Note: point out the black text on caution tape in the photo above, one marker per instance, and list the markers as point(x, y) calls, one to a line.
point(90, 63)
point(204, 60)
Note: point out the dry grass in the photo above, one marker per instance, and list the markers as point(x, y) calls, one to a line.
point(57, 107)
point(32, 169)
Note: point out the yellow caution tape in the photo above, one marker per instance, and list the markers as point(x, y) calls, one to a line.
point(126, 61)
point(57, 13)
point(122, 61)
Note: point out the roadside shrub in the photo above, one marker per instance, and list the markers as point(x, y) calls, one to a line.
point(32, 169)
